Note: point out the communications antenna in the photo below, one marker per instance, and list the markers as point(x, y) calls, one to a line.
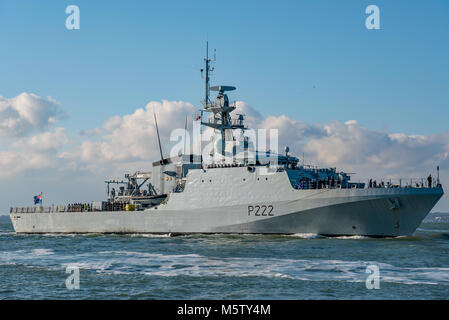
point(208, 70)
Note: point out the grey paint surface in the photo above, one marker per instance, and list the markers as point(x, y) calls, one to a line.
point(218, 200)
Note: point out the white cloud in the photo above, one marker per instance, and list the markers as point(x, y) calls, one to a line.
point(350, 146)
point(46, 141)
point(354, 147)
point(27, 113)
point(132, 139)
point(33, 153)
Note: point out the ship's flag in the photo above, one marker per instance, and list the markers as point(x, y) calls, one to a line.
point(37, 199)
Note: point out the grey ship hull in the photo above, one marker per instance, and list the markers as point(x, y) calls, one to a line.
point(380, 212)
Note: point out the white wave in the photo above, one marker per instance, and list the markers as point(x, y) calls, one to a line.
point(98, 266)
point(41, 251)
point(406, 281)
point(150, 235)
point(161, 265)
point(351, 237)
point(156, 264)
point(59, 235)
point(433, 230)
point(306, 236)
point(318, 236)
point(36, 257)
point(150, 255)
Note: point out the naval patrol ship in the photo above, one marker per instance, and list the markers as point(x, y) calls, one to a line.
point(244, 191)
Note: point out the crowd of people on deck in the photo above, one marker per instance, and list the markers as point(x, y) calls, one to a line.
point(79, 207)
point(330, 182)
point(373, 183)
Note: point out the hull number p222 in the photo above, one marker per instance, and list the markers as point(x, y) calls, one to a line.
point(261, 211)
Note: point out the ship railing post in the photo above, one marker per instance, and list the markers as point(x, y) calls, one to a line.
point(438, 176)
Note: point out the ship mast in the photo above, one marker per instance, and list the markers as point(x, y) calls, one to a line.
point(207, 78)
point(221, 108)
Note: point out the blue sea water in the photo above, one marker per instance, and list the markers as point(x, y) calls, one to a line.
point(303, 266)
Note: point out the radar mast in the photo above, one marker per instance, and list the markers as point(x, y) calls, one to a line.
point(207, 70)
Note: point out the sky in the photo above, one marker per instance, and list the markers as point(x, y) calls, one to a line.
point(76, 105)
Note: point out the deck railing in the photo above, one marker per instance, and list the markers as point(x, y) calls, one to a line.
point(79, 207)
point(305, 185)
point(369, 183)
point(49, 209)
point(402, 183)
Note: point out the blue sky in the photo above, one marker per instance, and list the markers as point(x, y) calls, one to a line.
point(312, 61)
